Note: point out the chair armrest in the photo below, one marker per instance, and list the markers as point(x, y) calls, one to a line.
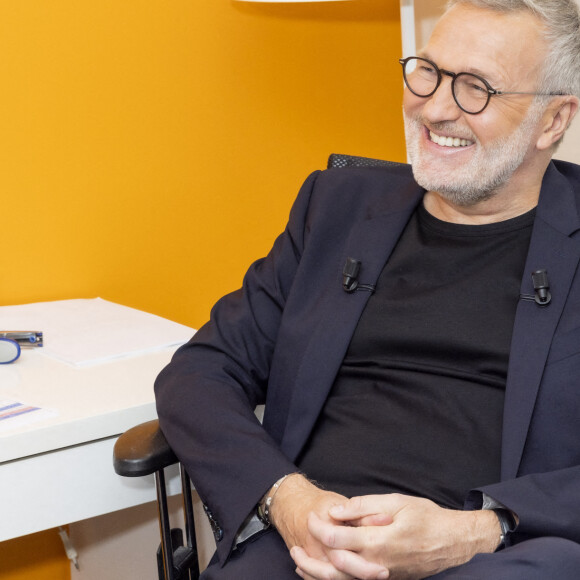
point(142, 450)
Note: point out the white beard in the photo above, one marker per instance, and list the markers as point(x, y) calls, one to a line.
point(489, 168)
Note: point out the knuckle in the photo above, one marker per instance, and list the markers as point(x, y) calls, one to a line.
point(330, 539)
point(355, 503)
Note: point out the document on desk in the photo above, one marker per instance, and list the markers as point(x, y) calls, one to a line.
point(16, 414)
point(84, 332)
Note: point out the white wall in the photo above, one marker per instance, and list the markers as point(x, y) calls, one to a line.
point(123, 544)
point(426, 14)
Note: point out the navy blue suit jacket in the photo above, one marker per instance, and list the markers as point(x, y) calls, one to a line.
point(280, 340)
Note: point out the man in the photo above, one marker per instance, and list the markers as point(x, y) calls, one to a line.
point(437, 387)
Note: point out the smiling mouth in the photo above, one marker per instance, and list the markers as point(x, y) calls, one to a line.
point(443, 141)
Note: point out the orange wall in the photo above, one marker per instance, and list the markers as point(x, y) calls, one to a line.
point(150, 149)
point(36, 557)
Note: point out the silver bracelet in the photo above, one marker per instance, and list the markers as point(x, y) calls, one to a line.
point(263, 510)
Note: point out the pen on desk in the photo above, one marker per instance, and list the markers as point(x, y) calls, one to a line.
point(25, 338)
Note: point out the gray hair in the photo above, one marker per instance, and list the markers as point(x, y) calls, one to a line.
point(561, 19)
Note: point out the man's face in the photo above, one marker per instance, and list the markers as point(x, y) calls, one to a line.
point(506, 50)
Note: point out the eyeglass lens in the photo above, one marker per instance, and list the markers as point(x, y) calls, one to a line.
point(423, 78)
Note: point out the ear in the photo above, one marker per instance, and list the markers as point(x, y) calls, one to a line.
point(556, 120)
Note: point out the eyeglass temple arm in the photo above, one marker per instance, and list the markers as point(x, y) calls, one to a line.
point(495, 92)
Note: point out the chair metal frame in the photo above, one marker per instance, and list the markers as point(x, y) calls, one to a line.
point(143, 450)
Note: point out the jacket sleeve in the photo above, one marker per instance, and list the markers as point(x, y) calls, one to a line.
point(545, 503)
point(206, 396)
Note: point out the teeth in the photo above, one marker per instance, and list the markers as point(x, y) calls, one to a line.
point(449, 141)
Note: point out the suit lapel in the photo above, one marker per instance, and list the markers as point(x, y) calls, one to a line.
point(552, 249)
point(371, 242)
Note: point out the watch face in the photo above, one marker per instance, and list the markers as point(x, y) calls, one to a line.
point(9, 350)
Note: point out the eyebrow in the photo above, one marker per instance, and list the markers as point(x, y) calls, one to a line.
point(473, 70)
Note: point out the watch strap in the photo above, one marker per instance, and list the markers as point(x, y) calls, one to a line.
point(507, 525)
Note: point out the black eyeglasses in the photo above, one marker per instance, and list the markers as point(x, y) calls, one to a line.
point(471, 92)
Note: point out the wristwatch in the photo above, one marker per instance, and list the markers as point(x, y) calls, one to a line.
point(507, 524)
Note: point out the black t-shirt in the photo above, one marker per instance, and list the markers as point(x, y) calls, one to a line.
point(417, 405)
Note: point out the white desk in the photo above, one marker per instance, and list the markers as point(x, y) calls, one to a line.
point(59, 470)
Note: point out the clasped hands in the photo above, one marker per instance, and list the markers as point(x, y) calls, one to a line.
point(376, 537)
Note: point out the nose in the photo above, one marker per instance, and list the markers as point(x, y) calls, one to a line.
point(441, 105)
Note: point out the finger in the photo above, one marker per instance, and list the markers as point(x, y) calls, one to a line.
point(363, 506)
point(374, 520)
point(314, 568)
point(337, 536)
point(355, 565)
point(303, 575)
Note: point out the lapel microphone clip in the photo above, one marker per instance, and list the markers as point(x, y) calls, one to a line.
point(542, 295)
point(350, 277)
point(350, 274)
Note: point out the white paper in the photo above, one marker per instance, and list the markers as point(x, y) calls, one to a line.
point(91, 331)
